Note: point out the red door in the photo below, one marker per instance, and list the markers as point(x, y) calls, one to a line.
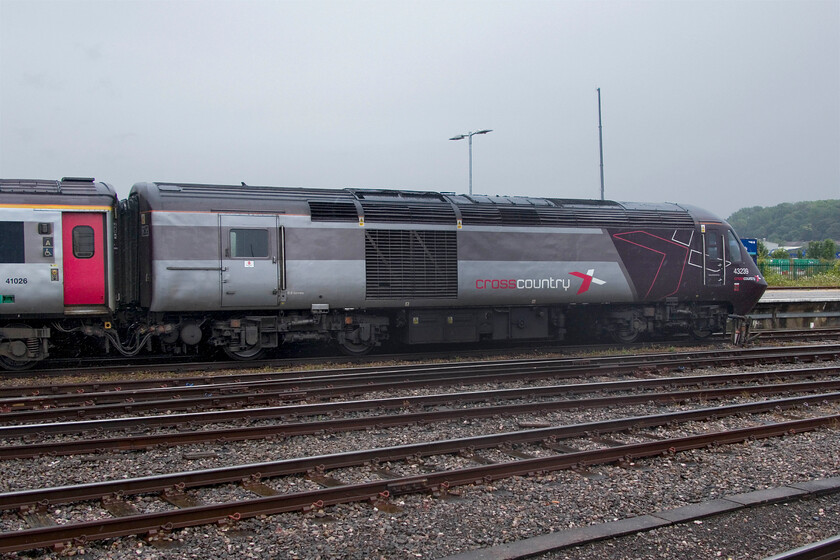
point(83, 246)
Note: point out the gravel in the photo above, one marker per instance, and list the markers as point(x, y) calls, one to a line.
point(423, 526)
point(753, 533)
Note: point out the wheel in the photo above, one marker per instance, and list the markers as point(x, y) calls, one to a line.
point(16, 365)
point(246, 354)
point(625, 335)
point(355, 349)
point(699, 333)
point(18, 347)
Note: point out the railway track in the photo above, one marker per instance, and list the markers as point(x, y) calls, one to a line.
point(549, 437)
point(825, 333)
point(318, 404)
point(827, 549)
point(291, 423)
point(192, 512)
point(286, 385)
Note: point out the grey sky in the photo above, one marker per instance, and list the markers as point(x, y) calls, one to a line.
point(718, 104)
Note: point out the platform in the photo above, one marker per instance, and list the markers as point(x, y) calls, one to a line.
point(798, 295)
point(797, 308)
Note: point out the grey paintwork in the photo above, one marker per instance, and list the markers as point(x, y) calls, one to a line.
point(41, 294)
point(535, 244)
point(323, 262)
point(326, 265)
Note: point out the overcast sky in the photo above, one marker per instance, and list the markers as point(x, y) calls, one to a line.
point(718, 104)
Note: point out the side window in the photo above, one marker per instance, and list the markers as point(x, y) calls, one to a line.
point(83, 237)
point(248, 243)
point(712, 246)
point(734, 247)
point(11, 242)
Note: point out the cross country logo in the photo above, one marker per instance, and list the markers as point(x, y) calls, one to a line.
point(588, 280)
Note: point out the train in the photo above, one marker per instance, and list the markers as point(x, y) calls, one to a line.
point(182, 268)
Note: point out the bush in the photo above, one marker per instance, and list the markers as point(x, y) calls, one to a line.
point(830, 279)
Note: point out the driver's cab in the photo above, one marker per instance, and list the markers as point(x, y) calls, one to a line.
point(721, 250)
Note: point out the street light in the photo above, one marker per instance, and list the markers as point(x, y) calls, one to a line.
point(469, 136)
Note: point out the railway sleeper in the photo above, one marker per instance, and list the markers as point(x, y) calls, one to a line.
point(118, 507)
point(36, 516)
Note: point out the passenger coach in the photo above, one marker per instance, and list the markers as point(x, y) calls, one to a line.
point(56, 260)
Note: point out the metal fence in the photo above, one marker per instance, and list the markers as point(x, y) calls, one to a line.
point(795, 268)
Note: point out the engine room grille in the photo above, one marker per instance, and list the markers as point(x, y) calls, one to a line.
point(405, 264)
point(601, 217)
point(333, 211)
point(381, 212)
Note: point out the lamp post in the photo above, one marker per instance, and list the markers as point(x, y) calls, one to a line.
point(469, 136)
point(601, 143)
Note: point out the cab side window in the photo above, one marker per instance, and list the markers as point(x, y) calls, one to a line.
point(712, 249)
point(734, 247)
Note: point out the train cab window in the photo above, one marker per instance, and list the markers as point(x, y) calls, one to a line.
point(11, 242)
point(248, 243)
point(83, 242)
point(712, 246)
point(734, 247)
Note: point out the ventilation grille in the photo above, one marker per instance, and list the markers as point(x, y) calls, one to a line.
point(523, 216)
point(407, 264)
point(333, 211)
point(247, 192)
point(384, 213)
point(599, 217)
point(68, 185)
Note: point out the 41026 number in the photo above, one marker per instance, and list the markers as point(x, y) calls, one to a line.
point(17, 280)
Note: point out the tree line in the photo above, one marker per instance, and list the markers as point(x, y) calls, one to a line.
point(790, 222)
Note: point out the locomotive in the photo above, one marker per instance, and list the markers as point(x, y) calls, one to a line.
point(181, 268)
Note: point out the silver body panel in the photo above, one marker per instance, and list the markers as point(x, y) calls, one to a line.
point(37, 285)
point(39, 294)
point(324, 264)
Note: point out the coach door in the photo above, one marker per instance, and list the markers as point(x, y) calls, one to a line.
point(83, 250)
point(714, 257)
point(251, 261)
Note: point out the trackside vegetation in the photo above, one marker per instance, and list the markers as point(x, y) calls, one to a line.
point(801, 272)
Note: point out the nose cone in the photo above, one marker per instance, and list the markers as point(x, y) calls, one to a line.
point(749, 292)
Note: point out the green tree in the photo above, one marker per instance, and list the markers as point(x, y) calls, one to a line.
point(801, 221)
point(779, 254)
point(829, 249)
point(763, 253)
point(823, 250)
point(814, 250)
